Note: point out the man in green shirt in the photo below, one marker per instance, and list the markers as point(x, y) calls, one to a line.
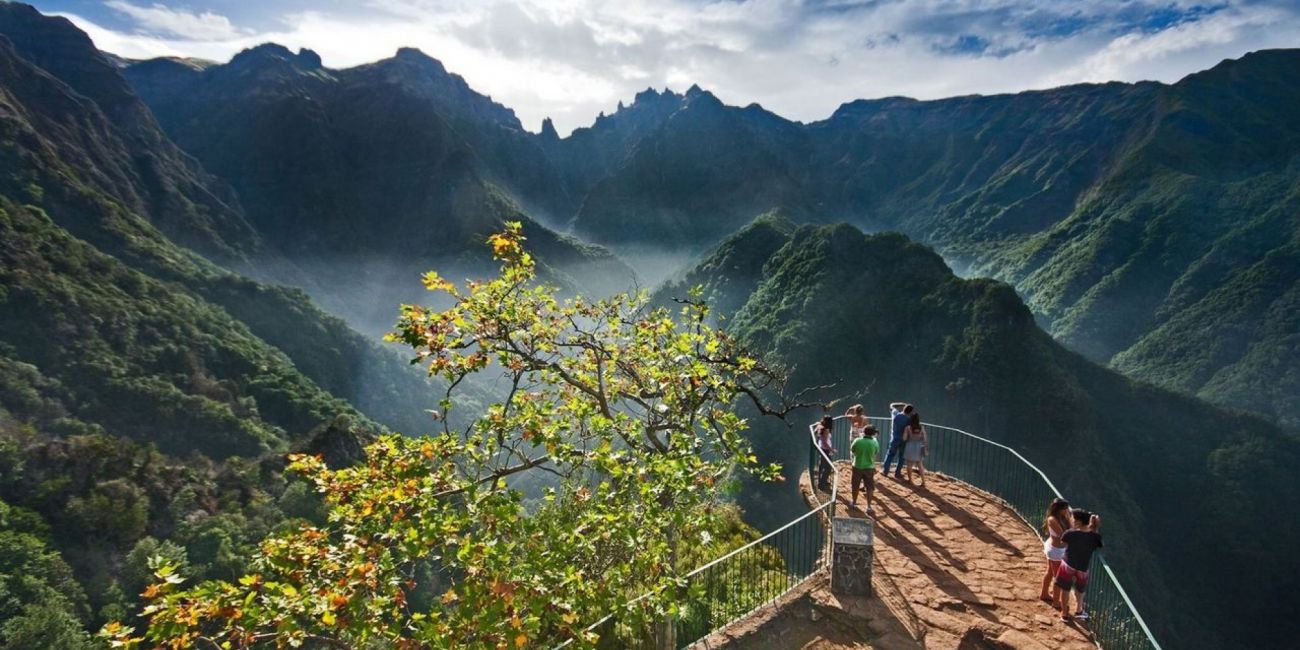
point(864, 451)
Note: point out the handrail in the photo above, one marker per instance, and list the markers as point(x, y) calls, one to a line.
point(1100, 560)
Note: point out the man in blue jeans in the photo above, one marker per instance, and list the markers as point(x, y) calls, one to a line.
point(901, 412)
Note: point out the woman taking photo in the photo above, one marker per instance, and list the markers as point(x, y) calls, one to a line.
point(858, 421)
point(915, 448)
point(824, 429)
point(1055, 524)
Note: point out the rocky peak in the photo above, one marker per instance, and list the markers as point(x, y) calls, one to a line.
point(548, 130)
point(415, 57)
point(696, 96)
point(275, 57)
point(425, 76)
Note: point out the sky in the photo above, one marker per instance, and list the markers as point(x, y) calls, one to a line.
point(573, 59)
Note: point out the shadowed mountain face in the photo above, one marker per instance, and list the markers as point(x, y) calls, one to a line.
point(1125, 214)
point(132, 161)
point(882, 312)
point(369, 176)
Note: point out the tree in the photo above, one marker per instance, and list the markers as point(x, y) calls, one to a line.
point(618, 418)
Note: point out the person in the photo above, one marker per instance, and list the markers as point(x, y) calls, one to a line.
point(916, 447)
point(900, 414)
point(1080, 542)
point(858, 421)
point(1055, 523)
point(828, 451)
point(864, 449)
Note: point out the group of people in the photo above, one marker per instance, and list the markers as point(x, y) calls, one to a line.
point(1072, 538)
point(1071, 533)
point(908, 443)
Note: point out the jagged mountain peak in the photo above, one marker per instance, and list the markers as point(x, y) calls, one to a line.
point(416, 56)
point(548, 130)
point(650, 95)
point(426, 76)
point(275, 56)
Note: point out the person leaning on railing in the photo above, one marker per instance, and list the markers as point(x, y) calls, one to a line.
point(828, 451)
point(900, 415)
point(1080, 543)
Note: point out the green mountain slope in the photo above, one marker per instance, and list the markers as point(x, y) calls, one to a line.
point(146, 393)
point(132, 162)
point(1191, 238)
point(1123, 213)
point(142, 359)
point(882, 312)
point(62, 154)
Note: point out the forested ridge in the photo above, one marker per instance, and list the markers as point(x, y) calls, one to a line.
point(885, 315)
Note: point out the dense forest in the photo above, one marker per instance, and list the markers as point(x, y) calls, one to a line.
point(197, 260)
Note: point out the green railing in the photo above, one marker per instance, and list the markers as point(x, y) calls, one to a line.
point(1001, 471)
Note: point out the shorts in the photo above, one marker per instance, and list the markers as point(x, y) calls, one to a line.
point(1068, 577)
point(867, 476)
point(1053, 553)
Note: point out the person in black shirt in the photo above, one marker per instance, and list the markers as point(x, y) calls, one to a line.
point(1081, 541)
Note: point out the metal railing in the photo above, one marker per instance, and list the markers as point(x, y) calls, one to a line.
point(1001, 471)
point(728, 588)
point(761, 572)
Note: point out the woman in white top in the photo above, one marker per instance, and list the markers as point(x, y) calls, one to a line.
point(1055, 524)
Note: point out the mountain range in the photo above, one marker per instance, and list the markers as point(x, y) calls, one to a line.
point(198, 256)
point(1151, 227)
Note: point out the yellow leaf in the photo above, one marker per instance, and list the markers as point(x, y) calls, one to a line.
point(521, 640)
point(328, 618)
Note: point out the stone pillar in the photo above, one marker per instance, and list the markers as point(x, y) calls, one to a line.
point(851, 556)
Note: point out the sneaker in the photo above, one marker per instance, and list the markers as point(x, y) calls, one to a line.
point(898, 476)
point(1083, 616)
point(871, 511)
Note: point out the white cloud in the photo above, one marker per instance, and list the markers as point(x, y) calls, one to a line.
point(571, 59)
point(157, 18)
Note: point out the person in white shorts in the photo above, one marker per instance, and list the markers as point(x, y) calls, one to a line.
point(1055, 524)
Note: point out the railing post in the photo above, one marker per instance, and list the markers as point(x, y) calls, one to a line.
point(852, 541)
